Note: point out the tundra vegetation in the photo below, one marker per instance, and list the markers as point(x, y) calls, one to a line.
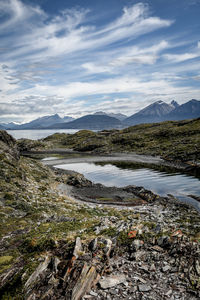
point(54, 247)
point(172, 140)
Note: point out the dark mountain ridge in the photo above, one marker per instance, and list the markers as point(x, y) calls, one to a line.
point(160, 111)
point(95, 122)
point(150, 114)
point(188, 110)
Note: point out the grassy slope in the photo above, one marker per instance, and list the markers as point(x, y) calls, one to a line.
point(171, 140)
point(33, 214)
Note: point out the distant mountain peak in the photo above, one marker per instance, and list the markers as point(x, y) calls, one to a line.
point(100, 113)
point(174, 103)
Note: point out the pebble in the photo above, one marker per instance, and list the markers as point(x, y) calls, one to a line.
point(166, 268)
point(144, 288)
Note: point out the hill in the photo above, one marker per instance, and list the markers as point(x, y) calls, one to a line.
point(54, 247)
point(174, 140)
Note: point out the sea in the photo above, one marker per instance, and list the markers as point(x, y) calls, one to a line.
point(36, 134)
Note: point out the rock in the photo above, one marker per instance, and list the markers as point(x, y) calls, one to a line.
point(108, 245)
point(9, 274)
point(56, 262)
point(166, 268)
point(93, 294)
point(163, 242)
point(197, 267)
point(93, 245)
point(136, 245)
point(84, 283)
point(144, 288)
point(152, 268)
point(111, 281)
point(157, 248)
point(38, 272)
point(139, 255)
point(77, 248)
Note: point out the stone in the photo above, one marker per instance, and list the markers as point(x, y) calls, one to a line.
point(77, 248)
point(152, 268)
point(144, 288)
point(139, 255)
point(84, 283)
point(166, 268)
point(93, 294)
point(163, 242)
point(38, 272)
point(197, 267)
point(136, 245)
point(108, 245)
point(93, 245)
point(111, 281)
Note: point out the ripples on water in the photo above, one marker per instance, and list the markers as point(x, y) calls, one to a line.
point(162, 183)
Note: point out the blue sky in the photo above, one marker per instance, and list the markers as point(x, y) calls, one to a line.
point(78, 57)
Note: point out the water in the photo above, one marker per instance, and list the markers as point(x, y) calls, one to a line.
point(35, 134)
point(162, 183)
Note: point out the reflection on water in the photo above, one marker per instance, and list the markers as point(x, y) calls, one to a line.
point(161, 183)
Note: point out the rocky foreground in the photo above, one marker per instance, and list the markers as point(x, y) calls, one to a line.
point(54, 246)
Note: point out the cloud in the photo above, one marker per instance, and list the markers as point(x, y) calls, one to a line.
point(129, 55)
point(181, 57)
point(68, 63)
point(16, 13)
point(66, 34)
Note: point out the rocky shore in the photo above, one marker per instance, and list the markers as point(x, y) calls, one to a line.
point(63, 237)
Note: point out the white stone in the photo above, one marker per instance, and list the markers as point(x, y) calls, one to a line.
point(111, 281)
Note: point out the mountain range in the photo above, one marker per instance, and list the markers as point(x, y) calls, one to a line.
point(40, 123)
point(156, 112)
point(95, 122)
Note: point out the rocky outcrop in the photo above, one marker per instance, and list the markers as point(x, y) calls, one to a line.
point(151, 269)
point(8, 145)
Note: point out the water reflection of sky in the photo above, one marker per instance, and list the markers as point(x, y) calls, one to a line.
point(35, 134)
point(161, 183)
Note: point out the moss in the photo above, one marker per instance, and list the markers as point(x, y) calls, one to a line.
point(5, 259)
point(109, 232)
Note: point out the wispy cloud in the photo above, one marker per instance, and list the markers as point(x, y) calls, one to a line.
point(58, 61)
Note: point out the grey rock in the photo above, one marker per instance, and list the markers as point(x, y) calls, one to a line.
point(144, 288)
point(166, 268)
point(77, 248)
point(93, 245)
point(93, 294)
point(163, 242)
point(111, 281)
point(84, 283)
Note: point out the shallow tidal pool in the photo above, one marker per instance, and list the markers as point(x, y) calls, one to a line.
point(162, 183)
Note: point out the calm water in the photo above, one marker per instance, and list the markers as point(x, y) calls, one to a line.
point(35, 134)
point(162, 183)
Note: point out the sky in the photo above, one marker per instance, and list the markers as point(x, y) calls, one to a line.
point(76, 57)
